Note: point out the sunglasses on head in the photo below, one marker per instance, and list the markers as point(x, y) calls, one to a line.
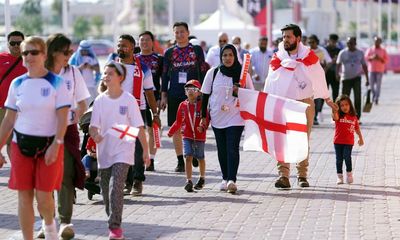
point(13, 43)
point(34, 52)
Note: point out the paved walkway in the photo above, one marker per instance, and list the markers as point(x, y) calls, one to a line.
point(367, 209)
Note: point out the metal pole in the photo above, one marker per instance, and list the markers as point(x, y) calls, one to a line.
point(389, 27)
point(115, 21)
point(170, 15)
point(220, 15)
point(380, 18)
point(151, 15)
point(358, 31)
point(7, 17)
point(268, 5)
point(245, 4)
point(65, 16)
point(191, 12)
point(398, 25)
point(369, 20)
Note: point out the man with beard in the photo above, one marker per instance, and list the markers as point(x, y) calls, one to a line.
point(296, 74)
point(260, 58)
point(139, 82)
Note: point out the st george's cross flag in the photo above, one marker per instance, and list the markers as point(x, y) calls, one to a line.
point(124, 132)
point(274, 125)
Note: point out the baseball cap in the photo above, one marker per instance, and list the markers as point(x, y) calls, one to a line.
point(194, 83)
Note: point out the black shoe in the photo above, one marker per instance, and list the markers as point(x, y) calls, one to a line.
point(151, 167)
point(195, 162)
point(200, 184)
point(180, 168)
point(127, 189)
point(316, 123)
point(282, 182)
point(137, 189)
point(189, 186)
point(302, 182)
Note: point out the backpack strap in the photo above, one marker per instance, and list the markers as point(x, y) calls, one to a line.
point(10, 69)
point(214, 75)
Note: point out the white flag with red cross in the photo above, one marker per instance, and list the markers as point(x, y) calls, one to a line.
point(124, 132)
point(275, 125)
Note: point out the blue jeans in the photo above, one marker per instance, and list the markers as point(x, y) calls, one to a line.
point(375, 79)
point(343, 152)
point(88, 162)
point(228, 140)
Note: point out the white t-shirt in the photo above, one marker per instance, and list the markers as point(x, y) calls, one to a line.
point(87, 73)
point(106, 113)
point(260, 62)
point(212, 57)
point(127, 84)
point(76, 88)
point(36, 101)
point(221, 95)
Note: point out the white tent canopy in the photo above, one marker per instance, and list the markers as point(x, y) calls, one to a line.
point(232, 25)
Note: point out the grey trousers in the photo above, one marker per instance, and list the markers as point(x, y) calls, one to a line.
point(112, 184)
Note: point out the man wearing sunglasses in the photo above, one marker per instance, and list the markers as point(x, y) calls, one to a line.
point(10, 68)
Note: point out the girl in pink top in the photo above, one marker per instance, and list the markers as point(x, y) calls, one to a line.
point(346, 123)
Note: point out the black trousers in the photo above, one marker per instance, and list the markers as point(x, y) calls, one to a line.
point(355, 84)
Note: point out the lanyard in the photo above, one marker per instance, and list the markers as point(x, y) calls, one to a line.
point(192, 121)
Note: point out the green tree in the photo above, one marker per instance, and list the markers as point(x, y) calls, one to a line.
point(56, 8)
point(81, 28)
point(30, 19)
point(280, 4)
point(98, 22)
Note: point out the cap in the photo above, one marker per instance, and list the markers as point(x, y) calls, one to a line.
point(194, 83)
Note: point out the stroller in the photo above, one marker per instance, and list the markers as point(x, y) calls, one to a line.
point(90, 184)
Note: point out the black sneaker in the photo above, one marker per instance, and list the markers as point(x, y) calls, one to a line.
point(127, 189)
point(283, 183)
point(189, 186)
point(195, 162)
point(180, 168)
point(150, 168)
point(302, 182)
point(137, 189)
point(200, 184)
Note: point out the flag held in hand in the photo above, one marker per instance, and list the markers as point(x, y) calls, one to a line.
point(274, 125)
point(123, 132)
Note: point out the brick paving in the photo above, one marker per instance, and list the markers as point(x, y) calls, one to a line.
point(367, 209)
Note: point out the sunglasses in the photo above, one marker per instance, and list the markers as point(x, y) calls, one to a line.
point(13, 43)
point(67, 52)
point(194, 89)
point(32, 52)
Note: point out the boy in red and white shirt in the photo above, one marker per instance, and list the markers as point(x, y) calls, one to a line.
point(194, 135)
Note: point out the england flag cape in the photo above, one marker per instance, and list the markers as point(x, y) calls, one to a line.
point(290, 77)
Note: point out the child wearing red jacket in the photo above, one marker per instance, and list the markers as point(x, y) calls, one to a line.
point(188, 116)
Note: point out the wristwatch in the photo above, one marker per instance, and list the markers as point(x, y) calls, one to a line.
point(60, 141)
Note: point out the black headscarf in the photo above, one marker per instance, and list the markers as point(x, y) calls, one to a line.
point(234, 70)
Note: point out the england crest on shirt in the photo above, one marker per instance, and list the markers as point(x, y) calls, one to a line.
point(45, 92)
point(69, 85)
point(123, 110)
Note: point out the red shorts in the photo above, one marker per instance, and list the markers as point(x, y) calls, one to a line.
point(28, 173)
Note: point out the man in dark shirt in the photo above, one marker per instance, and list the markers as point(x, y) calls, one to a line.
point(182, 62)
point(155, 62)
point(330, 69)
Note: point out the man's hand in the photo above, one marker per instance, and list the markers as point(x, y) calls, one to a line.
point(157, 120)
point(163, 102)
point(332, 105)
point(2, 160)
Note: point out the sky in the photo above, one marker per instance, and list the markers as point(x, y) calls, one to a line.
point(44, 1)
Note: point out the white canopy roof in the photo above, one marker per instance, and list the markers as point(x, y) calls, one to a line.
point(232, 25)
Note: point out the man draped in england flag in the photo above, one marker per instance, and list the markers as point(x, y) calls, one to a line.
point(295, 73)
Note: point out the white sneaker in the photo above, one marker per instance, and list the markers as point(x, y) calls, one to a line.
point(40, 234)
point(339, 179)
point(232, 187)
point(66, 231)
point(50, 231)
point(223, 186)
point(349, 177)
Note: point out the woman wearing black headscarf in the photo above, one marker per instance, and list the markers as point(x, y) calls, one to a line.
point(219, 88)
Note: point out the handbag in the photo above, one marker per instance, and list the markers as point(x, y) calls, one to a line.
point(367, 101)
point(33, 146)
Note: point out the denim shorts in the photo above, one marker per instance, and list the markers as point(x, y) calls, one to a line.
point(193, 148)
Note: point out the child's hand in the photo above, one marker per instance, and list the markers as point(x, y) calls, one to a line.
point(146, 158)
point(360, 142)
point(200, 129)
point(98, 138)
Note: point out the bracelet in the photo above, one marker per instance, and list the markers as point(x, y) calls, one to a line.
point(60, 141)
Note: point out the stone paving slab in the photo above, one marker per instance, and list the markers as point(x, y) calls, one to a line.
point(367, 209)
